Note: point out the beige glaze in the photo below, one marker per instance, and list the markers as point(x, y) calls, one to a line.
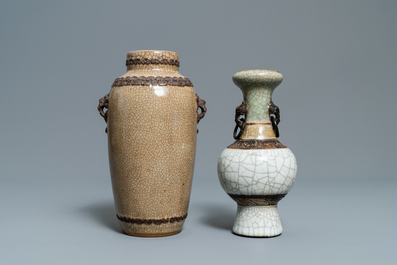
point(152, 143)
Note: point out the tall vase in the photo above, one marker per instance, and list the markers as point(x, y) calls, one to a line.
point(257, 170)
point(152, 121)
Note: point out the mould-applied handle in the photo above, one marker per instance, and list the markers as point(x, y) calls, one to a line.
point(200, 105)
point(240, 122)
point(274, 113)
point(104, 103)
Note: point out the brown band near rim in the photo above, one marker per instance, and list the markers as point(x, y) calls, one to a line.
point(151, 61)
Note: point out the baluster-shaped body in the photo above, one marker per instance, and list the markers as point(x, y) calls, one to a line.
point(257, 170)
point(152, 128)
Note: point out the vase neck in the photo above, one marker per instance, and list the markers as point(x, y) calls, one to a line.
point(257, 101)
point(152, 61)
point(153, 67)
point(257, 87)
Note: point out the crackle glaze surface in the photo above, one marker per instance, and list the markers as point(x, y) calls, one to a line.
point(257, 221)
point(257, 87)
point(257, 171)
point(152, 144)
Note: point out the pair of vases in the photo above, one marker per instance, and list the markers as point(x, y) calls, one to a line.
point(152, 115)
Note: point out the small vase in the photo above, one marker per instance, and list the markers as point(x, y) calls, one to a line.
point(152, 121)
point(257, 170)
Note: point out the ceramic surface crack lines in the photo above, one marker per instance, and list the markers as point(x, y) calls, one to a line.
point(152, 113)
point(257, 170)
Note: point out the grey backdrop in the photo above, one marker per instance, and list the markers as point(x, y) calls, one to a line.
point(337, 104)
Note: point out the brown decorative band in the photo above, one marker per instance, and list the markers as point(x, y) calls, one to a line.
point(261, 200)
point(256, 144)
point(152, 61)
point(151, 80)
point(152, 221)
point(258, 123)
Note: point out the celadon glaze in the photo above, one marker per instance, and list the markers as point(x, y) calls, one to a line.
point(257, 87)
point(152, 128)
point(259, 171)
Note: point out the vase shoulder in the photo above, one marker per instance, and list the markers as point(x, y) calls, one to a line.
point(257, 144)
point(152, 67)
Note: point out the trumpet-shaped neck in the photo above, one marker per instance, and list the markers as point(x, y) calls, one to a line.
point(257, 87)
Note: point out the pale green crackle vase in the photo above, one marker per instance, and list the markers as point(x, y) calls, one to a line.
point(257, 171)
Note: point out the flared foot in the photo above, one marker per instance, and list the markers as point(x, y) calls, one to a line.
point(257, 221)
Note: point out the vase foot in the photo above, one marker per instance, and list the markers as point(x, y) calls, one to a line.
point(151, 230)
point(257, 221)
point(153, 234)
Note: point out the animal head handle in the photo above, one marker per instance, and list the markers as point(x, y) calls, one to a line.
point(104, 103)
point(274, 113)
point(200, 105)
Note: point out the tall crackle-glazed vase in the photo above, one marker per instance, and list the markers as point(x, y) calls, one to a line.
point(152, 115)
point(257, 170)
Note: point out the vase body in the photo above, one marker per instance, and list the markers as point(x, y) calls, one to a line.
point(152, 128)
point(257, 170)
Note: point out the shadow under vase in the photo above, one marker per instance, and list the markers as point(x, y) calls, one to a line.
point(105, 214)
point(218, 216)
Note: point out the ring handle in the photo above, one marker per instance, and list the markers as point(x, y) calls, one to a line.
point(274, 113)
point(240, 122)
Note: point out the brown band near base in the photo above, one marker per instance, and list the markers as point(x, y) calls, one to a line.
point(152, 221)
point(258, 200)
point(256, 144)
point(151, 80)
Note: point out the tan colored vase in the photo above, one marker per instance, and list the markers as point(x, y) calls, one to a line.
point(152, 126)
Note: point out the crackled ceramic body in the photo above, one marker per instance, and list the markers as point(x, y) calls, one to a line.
point(151, 126)
point(257, 170)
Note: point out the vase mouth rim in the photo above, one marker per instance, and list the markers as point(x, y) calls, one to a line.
point(154, 51)
point(153, 54)
point(257, 77)
point(258, 70)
